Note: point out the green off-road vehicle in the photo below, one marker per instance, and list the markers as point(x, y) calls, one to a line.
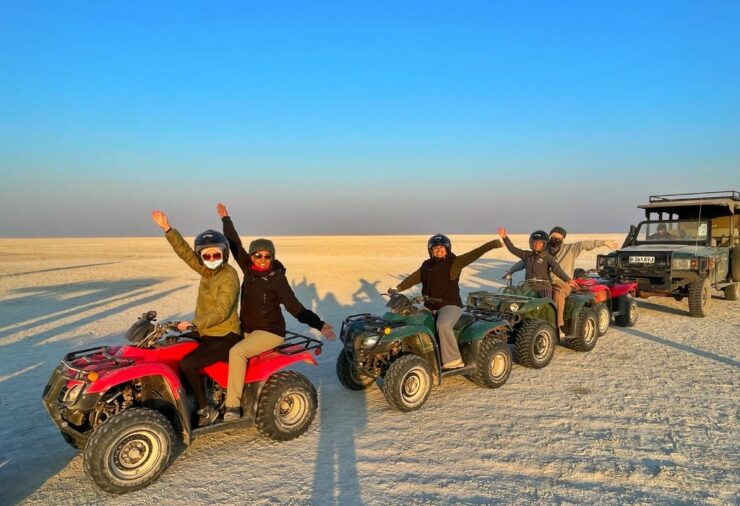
point(689, 245)
point(534, 320)
point(400, 351)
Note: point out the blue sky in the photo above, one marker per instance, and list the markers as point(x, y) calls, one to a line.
point(361, 117)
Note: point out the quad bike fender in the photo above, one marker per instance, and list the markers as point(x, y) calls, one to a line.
point(478, 330)
point(263, 366)
point(540, 309)
point(575, 303)
point(619, 289)
point(128, 374)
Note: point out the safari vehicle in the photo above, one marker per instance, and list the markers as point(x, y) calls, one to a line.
point(534, 320)
point(400, 351)
point(689, 245)
point(125, 406)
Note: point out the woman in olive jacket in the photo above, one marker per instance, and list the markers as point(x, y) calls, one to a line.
point(216, 320)
point(264, 289)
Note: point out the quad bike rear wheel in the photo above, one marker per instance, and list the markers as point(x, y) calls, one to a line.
point(129, 451)
point(700, 294)
point(587, 330)
point(628, 312)
point(287, 406)
point(603, 318)
point(534, 343)
point(493, 364)
point(407, 383)
point(348, 374)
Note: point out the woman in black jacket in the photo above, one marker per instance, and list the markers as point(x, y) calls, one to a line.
point(264, 289)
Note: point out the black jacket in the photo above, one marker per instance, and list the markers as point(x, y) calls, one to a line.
point(537, 266)
point(262, 293)
point(436, 282)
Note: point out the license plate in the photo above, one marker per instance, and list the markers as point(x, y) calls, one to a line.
point(642, 260)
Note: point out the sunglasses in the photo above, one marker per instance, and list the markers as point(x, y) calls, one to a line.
point(260, 256)
point(211, 256)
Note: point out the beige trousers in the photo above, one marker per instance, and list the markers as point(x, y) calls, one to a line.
point(560, 290)
point(254, 343)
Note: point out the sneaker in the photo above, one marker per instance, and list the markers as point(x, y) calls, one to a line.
point(561, 332)
point(206, 416)
point(232, 414)
point(455, 364)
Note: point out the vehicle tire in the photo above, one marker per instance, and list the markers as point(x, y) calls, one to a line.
point(407, 383)
point(287, 406)
point(587, 330)
point(732, 292)
point(628, 314)
point(129, 451)
point(493, 364)
point(700, 293)
point(603, 318)
point(735, 263)
point(348, 374)
point(534, 343)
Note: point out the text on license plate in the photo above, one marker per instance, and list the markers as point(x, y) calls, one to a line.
point(642, 260)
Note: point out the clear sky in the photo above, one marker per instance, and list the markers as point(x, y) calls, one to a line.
point(361, 117)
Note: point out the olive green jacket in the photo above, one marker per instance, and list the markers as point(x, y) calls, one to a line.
point(218, 293)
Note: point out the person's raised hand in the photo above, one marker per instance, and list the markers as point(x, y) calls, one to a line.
point(502, 232)
point(221, 210)
point(161, 220)
point(328, 332)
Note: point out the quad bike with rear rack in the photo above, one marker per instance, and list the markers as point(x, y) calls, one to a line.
point(126, 406)
point(614, 297)
point(534, 320)
point(400, 351)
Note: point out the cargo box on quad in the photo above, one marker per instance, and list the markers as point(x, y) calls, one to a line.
point(689, 245)
point(534, 321)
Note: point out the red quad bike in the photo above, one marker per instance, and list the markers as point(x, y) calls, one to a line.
point(125, 406)
point(613, 298)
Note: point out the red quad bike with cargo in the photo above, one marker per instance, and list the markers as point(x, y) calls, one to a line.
point(613, 297)
point(126, 406)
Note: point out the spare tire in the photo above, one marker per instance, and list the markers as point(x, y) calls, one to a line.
point(735, 263)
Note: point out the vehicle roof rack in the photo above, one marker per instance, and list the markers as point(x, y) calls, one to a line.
point(729, 194)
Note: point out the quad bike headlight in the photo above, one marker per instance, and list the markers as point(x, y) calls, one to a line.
point(514, 307)
point(370, 341)
point(72, 394)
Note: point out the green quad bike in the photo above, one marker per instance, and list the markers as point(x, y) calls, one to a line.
point(401, 352)
point(534, 321)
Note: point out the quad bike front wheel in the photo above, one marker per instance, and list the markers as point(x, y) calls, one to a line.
point(287, 406)
point(348, 374)
point(627, 316)
point(493, 363)
point(407, 383)
point(603, 318)
point(587, 330)
point(129, 451)
point(534, 343)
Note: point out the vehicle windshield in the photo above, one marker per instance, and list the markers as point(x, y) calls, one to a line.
point(673, 231)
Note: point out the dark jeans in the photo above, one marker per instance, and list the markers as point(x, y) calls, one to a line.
point(213, 349)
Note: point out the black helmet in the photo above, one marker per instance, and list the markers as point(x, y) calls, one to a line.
point(439, 240)
point(261, 245)
point(209, 239)
point(538, 235)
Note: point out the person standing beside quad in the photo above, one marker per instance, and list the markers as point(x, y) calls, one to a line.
point(566, 255)
point(264, 288)
point(216, 322)
point(538, 264)
point(439, 276)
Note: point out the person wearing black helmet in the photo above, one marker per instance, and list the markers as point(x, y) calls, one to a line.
point(216, 321)
point(538, 264)
point(264, 289)
point(566, 255)
point(439, 276)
